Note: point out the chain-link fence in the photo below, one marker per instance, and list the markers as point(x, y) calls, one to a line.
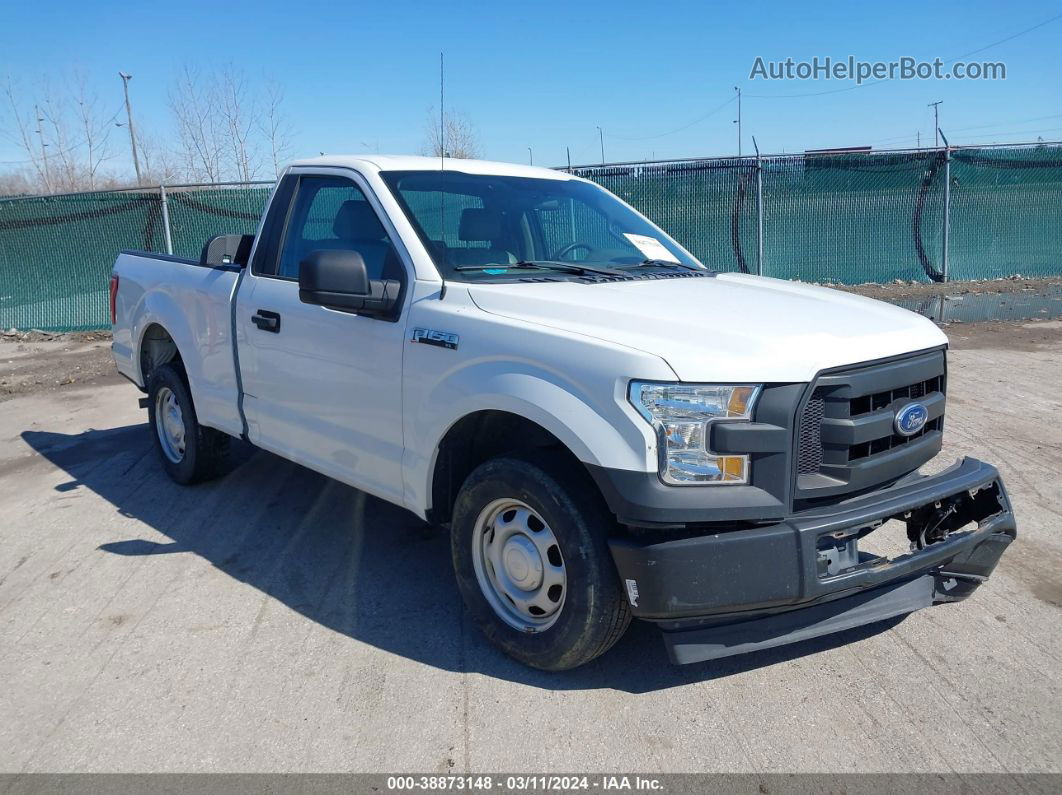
point(964, 213)
point(56, 252)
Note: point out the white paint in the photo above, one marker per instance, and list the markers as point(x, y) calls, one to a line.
point(350, 396)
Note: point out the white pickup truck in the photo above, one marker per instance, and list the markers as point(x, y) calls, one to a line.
point(607, 427)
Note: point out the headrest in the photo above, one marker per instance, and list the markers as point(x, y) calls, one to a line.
point(479, 223)
point(356, 220)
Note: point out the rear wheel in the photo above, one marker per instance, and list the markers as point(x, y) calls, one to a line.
point(189, 452)
point(530, 551)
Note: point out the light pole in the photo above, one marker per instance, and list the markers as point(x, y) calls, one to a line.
point(601, 140)
point(936, 121)
point(530, 157)
point(129, 116)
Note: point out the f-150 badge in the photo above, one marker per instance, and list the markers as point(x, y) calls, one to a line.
point(441, 339)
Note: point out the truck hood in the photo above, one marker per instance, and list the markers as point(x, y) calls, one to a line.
point(729, 328)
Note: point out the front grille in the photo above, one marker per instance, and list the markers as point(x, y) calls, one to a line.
point(880, 400)
point(809, 449)
point(881, 445)
point(847, 425)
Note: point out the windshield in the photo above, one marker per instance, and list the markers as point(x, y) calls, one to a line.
point(480, 227)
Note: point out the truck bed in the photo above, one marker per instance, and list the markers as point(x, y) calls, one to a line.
point(193, 302)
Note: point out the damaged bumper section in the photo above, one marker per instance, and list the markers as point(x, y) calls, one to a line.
point(738, 591)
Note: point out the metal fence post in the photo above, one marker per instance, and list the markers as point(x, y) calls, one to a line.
point(166, 219)
point(947, 208)
point(759, 209)
point(759, 215)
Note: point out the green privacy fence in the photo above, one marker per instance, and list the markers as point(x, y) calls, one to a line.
point(862, 217)
point(56, 252)
point(842, 217)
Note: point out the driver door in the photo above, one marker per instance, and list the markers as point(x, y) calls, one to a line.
point(323, 386)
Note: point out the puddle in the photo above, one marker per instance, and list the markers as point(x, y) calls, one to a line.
point(1041, 304)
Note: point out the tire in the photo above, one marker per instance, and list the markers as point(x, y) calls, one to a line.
point(508, 498)
point(195, 453)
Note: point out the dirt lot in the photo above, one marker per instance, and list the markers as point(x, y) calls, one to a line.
point(274, 620)
point(38, 364)
point(898, 291)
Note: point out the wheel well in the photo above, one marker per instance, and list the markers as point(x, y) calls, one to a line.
point(156, 349)
point(474, 439)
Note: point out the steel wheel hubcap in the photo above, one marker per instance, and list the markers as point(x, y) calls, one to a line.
point(519, 565)
point(169, 423)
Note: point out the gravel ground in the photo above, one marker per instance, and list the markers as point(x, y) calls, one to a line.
point(899, 291)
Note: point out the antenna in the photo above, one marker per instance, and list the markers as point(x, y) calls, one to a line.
point(442, 117)
point(442, 167)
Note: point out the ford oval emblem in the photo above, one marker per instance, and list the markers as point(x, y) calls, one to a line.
point(911, 419)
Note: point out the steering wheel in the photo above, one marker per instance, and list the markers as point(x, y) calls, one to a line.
point(568, 249)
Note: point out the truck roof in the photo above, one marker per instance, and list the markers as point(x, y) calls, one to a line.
point(419, 163)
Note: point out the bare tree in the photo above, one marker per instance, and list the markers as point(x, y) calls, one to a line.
point(238, 109)
point(21, 182)
point(454, 137)
point(200, 135)
point(223, 127)
point(275, 127)
point(65, 139)
point(159, 165)
point(95, 127)
point(226, 129)
point(20, 128)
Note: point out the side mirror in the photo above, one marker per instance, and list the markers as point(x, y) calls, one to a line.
point(339, 280)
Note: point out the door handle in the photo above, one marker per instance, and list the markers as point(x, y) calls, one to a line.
point(266, 320)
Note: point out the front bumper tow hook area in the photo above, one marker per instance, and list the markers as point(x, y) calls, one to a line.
point(736, 591)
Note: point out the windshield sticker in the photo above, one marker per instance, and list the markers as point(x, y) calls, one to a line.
point(651, 248)
point(495, 271)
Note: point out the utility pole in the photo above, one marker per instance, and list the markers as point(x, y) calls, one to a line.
point(601, 139)
point(936, 121)
point(129, 116)
point(737, 121)
point(568, 151)
point(918, 139)
point(44, 153)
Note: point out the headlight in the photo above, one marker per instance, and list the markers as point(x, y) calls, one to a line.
point(682, 415)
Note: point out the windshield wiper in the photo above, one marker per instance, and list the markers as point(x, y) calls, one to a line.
point(544, 265)
point(665, 263)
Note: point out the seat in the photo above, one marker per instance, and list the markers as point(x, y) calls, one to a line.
point(478, 225)
point(357, 228)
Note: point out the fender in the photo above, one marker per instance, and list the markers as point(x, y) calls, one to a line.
point(203, 336)
point(607, 434)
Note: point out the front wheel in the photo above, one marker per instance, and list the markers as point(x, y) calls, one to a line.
point(530, 550)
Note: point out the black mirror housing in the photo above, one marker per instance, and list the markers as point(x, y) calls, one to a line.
point(338, 279)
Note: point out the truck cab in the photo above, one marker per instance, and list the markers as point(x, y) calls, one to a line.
point(606, 427)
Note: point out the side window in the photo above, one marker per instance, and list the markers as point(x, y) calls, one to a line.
point(333, 213)
point(265, 253)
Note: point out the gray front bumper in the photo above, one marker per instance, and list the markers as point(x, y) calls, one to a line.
point(732, 592)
